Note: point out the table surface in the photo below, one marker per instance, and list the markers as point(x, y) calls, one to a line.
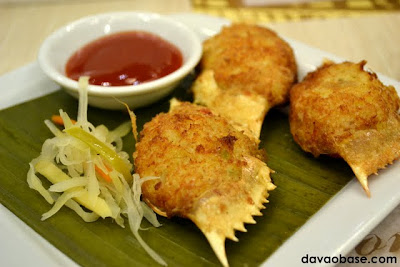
point(374, 37)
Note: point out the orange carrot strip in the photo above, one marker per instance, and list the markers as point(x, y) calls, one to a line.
point(104, 175)
point(58, 120)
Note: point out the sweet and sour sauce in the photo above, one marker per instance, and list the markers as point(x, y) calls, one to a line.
point(125, 58)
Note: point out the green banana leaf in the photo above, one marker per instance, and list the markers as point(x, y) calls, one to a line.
point(304, 186)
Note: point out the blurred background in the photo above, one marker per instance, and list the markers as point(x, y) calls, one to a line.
point(352, 29)
point(293, 10)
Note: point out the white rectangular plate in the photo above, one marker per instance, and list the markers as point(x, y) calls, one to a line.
point(334, 230)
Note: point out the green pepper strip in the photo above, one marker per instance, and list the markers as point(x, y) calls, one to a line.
point(105, 151)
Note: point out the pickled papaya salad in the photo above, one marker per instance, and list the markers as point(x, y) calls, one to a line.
point(90, 173)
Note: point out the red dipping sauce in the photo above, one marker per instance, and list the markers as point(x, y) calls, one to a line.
point(125, 58)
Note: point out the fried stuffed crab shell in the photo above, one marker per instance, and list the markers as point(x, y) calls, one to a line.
point(209, 172)
point(343, 110)
point(246, 70)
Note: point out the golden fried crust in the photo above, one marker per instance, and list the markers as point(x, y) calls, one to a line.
point(193, 151)
point(249, 59)
point(340, 109)
point(246, 70)
point(209, 172)
point(334, 102)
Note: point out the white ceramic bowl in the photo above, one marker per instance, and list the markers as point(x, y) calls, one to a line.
point(59, 46)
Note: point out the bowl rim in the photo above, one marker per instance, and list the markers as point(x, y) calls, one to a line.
point(107, 91)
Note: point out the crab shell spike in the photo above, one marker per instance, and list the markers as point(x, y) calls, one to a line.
point(362, 178)
point(250, 220)
point(257, 213)
point(241, 228)
point(368, 152)
point(233, 237)
point(217, 243)
point(219, 215)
